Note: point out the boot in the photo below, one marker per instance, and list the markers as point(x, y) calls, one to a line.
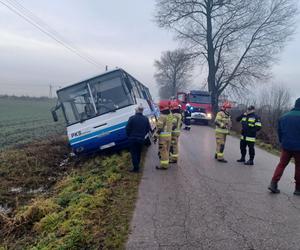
point(297, 192)
point(222, 160)
point(241, 160)
point(160, 168)
point(249, 163)
point(274, 188)
point(216, 156)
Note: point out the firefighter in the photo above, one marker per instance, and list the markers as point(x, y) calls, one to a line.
point(223, 126)
point(164, 133)
point(251, 124)
point(187, 117)
point(177, 123)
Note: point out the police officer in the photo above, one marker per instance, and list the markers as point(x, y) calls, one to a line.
point(251, 124)
point(223, 125)
point(177, 123)
point(137, 128)
point(164, 133)
point(187, 117)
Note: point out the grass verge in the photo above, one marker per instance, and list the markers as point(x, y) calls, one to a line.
point(261, 144)
point(88, 208)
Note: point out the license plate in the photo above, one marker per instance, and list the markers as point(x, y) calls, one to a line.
point(109, 145)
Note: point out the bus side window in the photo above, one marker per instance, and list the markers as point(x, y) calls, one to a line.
point(144, 94)
point(139, 87)
point(134, 87)
point(148, 94)
point(128, 88)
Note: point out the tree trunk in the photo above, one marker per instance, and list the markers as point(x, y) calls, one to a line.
point(211, 59)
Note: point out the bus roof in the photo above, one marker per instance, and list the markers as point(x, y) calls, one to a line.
point(103, 74)
point(89, 79)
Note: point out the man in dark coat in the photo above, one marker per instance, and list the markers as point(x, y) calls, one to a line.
point(289, 137)
point(251, 124)
point(137, 128)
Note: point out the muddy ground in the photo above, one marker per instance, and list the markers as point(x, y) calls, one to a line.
point(29, 170)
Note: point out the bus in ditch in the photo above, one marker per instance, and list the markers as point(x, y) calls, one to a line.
point(96, 110)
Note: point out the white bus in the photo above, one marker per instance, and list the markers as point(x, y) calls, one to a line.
point(96, 110)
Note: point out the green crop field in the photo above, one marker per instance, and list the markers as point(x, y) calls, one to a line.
point(26, 119)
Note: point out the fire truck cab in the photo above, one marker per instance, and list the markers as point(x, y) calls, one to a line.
point(200, 102)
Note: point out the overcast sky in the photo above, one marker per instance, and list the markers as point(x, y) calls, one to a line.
point(118, 33)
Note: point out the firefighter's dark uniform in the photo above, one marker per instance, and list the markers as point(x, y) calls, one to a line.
point(251, 124)
point(164, 134)
point(177, 121)
point(187, 119)
point(223, 125)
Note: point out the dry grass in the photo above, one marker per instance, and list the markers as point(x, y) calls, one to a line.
point(89, 207)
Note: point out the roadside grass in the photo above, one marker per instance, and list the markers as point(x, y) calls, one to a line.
point(261, 144)
point(268, 147)
point(88, 208)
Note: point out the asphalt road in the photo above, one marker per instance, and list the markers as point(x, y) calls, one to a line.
point(203, 204)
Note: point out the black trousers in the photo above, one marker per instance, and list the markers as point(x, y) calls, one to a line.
point(136, 147)
point(187, 122)
point(243, 147)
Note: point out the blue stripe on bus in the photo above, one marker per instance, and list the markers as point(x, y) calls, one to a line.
point(96, 133)
point(118, 137)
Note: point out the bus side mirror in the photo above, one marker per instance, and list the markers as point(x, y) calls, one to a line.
point(54, 115)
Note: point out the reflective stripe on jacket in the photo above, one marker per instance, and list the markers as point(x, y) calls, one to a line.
point(164, 125)
point(251, 124)
point(223, 122)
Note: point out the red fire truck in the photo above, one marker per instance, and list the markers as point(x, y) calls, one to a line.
point(201, 104)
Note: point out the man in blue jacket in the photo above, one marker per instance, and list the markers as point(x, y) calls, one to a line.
point(137, 128)
point(289, 137)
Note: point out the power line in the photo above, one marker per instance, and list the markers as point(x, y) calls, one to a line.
point(52, 34)
point(38, 20)
point(46, 27)
point(20, 12)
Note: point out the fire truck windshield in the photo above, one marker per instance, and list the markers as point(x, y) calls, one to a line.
point(203, 99)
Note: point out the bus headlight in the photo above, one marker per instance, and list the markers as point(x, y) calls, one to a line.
point(209, 115)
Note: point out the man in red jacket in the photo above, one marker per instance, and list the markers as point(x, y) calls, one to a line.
point(289, 137)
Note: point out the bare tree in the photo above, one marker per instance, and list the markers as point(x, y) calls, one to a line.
point(174, 72)
point(238, 39)
point(274, 101)
point(271, 102)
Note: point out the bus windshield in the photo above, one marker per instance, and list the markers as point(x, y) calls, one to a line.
point(203, 99)
point(95, 97)
point(110, 93)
